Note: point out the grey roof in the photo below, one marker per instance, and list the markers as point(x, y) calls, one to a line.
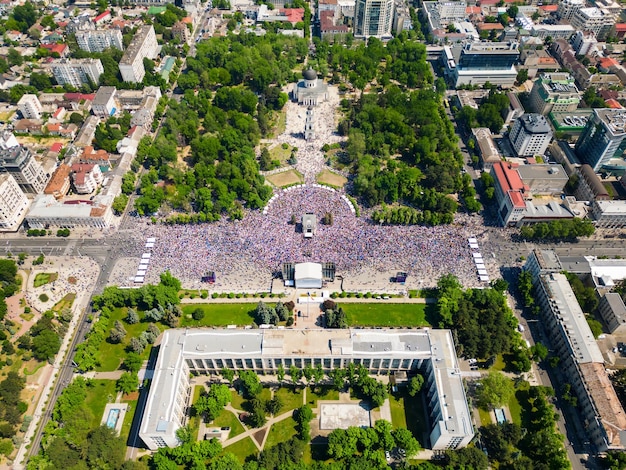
point(570, 316)
point(309, 74)
point(546, 171)
point(535, 124)
point(103, 95)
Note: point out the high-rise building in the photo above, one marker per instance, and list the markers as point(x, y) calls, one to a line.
point(20, 163)
point(597, 20)
point(77, 72)
point(603, 138)
point(143, 45)
point(30, 107)
point(477, 63)
point(554, 92)
point(373, 18)
point(99, 40)
point(13, 204)
point(567, 8)
point(530, 135)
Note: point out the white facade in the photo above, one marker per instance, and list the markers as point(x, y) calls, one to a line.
point(47, 211)
point(530, 135)
point(373, 18)
point(30, 107)
point(104, 102)
point(77, 72)
point(567, 8)
point(593, 19)
point(20, 163)
point(143, 45)
point(207, 351)
point(609, 214)
point(13, 204)
point(99, 40)
point(583, 42)
point(86, 178)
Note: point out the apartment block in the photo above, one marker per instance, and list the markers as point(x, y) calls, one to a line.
point(613, 312)
point(373, 18)
point(86, 177)
point(554, 92)
point(530, 135)
point(21, 164)
point(77, 72)
point(609, 214)
point(13, 203)
point(603, 138)
point(99, 40)
point(143, 45)
point(30, 107)
point(104, 103)
point(597, 20)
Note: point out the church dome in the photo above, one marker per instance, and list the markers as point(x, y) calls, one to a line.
point(309, 74)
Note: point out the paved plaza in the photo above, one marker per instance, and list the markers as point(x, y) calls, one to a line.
point(343, 416)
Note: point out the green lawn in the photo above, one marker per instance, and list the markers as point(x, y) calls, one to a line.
point(281, 432)
point(516, 410)
point(219, 314)
point(242, 449)
point(398, 417)
point(291, 399)
point(414, 416)
point(228, 419)
point(194, 421)
point(236, 400)
point(265, 394)
point(128, 420)
point(385, 314)
point(325, 393)
point(111, 355)
point(99, 393)
point(485, 417)
point(44, 278)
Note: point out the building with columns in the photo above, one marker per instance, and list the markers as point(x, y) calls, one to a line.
point(206, 351)
point(310, 90)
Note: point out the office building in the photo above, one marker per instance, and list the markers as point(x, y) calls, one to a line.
point(530, 135)
point(373, 18)
point(47, 211)
point(583, 42)
point(30, 107)
point(144, 45)
point(555, 31)
point(442, 13)
point(554, 92)
point(590, 187)
point(13, 203)
point(510, 193)
point(104, 104)
point(599, 21)
point(613, 312)
point(609, 214)
point(603, 137)
point(206, 351)
point(21, 164)
point(77, 72)
point(581, 362)
point(99, 40)
point(477, 63)
point(568, 8)
point(543, 179)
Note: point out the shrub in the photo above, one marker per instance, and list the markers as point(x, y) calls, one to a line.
point(204, 295)
point(44, 297)
point(197, 314)
point(289, 321)
point(214, 295)
point(231, 295)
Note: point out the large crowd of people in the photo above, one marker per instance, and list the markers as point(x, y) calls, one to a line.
point(264, 242)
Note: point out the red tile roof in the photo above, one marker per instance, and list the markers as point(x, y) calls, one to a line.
point(489, 26)
point(101, 16)
point(294, 15)
point(614, 104)
point(56, 147)
point(510, 182)
point(473, 10)
point(58, 48)
point(620, 26)
point(549, 8)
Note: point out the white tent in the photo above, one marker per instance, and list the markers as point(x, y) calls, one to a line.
point(146, 256)
point(308, 275)
point(477, 255)
point(482, 272)
point(138, 278)
point(484, 278)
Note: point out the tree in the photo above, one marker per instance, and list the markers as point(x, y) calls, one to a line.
point(404, 440)
point(133, 362)
point(118, 333)
point(296, 374)
point(280, 374)
point(197, 314)
point(415, 385)
point(539, 352)
point(106, 449)
point(45, 345)
point(132, 317)
point(119, 203)
point(274, 405)
point(494, 390)
point(250, 383)
point(211, 403)
point(227, 374)
point(128, 382)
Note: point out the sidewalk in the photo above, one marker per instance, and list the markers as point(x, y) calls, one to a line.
point(79, 305)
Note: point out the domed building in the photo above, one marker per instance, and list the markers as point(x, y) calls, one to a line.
point(310, 90)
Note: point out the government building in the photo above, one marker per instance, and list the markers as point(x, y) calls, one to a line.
point(201, 351)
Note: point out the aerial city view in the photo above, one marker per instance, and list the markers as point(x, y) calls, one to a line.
point(336, 234)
